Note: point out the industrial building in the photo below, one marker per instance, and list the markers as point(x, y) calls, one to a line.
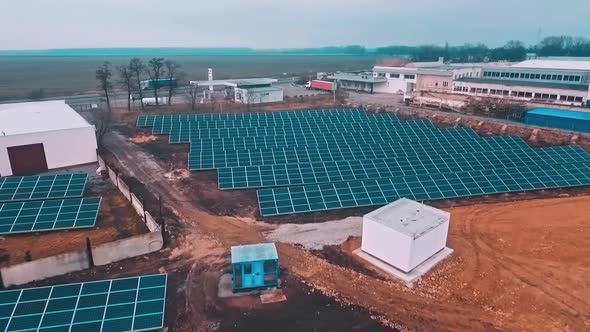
point(561, 81)
point(247, 91)
point(557, 118)
point(254, 266)
point(362, 82)
point(404, 235)
point(40, 136)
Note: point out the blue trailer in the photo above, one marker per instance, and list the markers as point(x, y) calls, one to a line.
point(254, 266)
point(557, 118)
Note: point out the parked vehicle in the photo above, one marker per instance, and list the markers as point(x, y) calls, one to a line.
point(321, 85)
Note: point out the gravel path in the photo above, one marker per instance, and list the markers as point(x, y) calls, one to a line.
point(316, 236)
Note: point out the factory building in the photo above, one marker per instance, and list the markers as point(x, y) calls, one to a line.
point(40, 136)
point(362, 82)
point(560, 81)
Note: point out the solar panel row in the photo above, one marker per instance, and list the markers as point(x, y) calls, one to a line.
point(165, 127)
point(460, 136)
point(150, 120)
point(36, 216)
point(42, 187)
point(128, 304)
point(188, 136)
point(307, 154)
point(350, 170)
point(336, 195)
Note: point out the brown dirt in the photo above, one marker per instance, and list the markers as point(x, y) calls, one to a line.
point(116, 220)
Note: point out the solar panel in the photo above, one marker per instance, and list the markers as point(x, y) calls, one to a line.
point(426, 163)
point(42, 187)
point(37, 216)
point(127, 304)
point(334, 152)
point(319, 197)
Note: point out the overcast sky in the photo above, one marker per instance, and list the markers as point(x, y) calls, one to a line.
point(43, 24)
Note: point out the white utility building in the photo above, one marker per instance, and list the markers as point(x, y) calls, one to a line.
point(39, 136)
point(405, 233)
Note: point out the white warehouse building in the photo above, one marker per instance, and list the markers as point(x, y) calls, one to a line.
point(405, 235)
point(39, 136)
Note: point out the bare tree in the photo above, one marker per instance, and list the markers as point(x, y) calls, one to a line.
point(192, 97)
point(156, 70)
point(137, 68)
point(103, 122)
point(103, 75)
point(126, 82)
point(173, 73)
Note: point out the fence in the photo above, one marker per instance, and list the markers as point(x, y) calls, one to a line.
point(101, 254)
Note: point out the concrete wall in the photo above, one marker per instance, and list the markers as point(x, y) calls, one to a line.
point(63, 148)
point(127, 248)
point(386, 244)
point(428, 244)
point(44, 268)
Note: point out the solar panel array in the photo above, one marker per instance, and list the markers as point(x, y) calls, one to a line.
point(45, 203)
point(128, 304)
point(37, 216)
point(24, 188)
point(303, 161)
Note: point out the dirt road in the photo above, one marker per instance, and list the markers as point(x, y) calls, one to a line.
point(483, 288)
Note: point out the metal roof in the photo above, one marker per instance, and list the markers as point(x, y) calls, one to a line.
point(561, 113)
point(263, 89)
point(355, 77)
point(254, 252)
point(236, 82)
point(409, 217)
point(555, 64)
point(35, 117)
point(564, 86)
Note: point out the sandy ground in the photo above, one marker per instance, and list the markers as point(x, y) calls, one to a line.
point(317, 235)
point(116, 220)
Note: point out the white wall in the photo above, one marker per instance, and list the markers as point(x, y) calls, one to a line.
point(398, 249)
point(386, 244)
point(63, 148)
point(262, 97)
point(428, 244)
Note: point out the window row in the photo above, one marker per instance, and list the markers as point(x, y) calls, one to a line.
point(519, 94)
point(392, 75)
point(533, 76)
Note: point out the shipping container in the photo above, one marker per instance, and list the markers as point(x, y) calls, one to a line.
point(323, 85)
point(557, 118)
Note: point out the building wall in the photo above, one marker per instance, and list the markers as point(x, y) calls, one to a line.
point(428, 244)
point(249, 97)
point(551, 95)
point(63, 148)
point(386, 244)
point(434, 83)
point(356, 86)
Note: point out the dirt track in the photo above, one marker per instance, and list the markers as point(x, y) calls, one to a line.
point(518, 266)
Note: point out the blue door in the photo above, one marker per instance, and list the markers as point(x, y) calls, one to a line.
point(253, 275)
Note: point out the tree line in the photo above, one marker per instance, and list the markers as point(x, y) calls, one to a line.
point(130, 76)
point(513, 50)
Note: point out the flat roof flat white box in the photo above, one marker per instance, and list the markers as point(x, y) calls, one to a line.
point(40, 136)
point(405, 233)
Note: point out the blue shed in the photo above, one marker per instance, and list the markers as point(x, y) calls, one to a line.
point(557, 118)
point(254, 266)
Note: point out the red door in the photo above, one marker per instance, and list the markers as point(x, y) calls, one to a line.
point(27, 159)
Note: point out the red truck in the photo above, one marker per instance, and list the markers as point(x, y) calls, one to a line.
point(321, 85)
